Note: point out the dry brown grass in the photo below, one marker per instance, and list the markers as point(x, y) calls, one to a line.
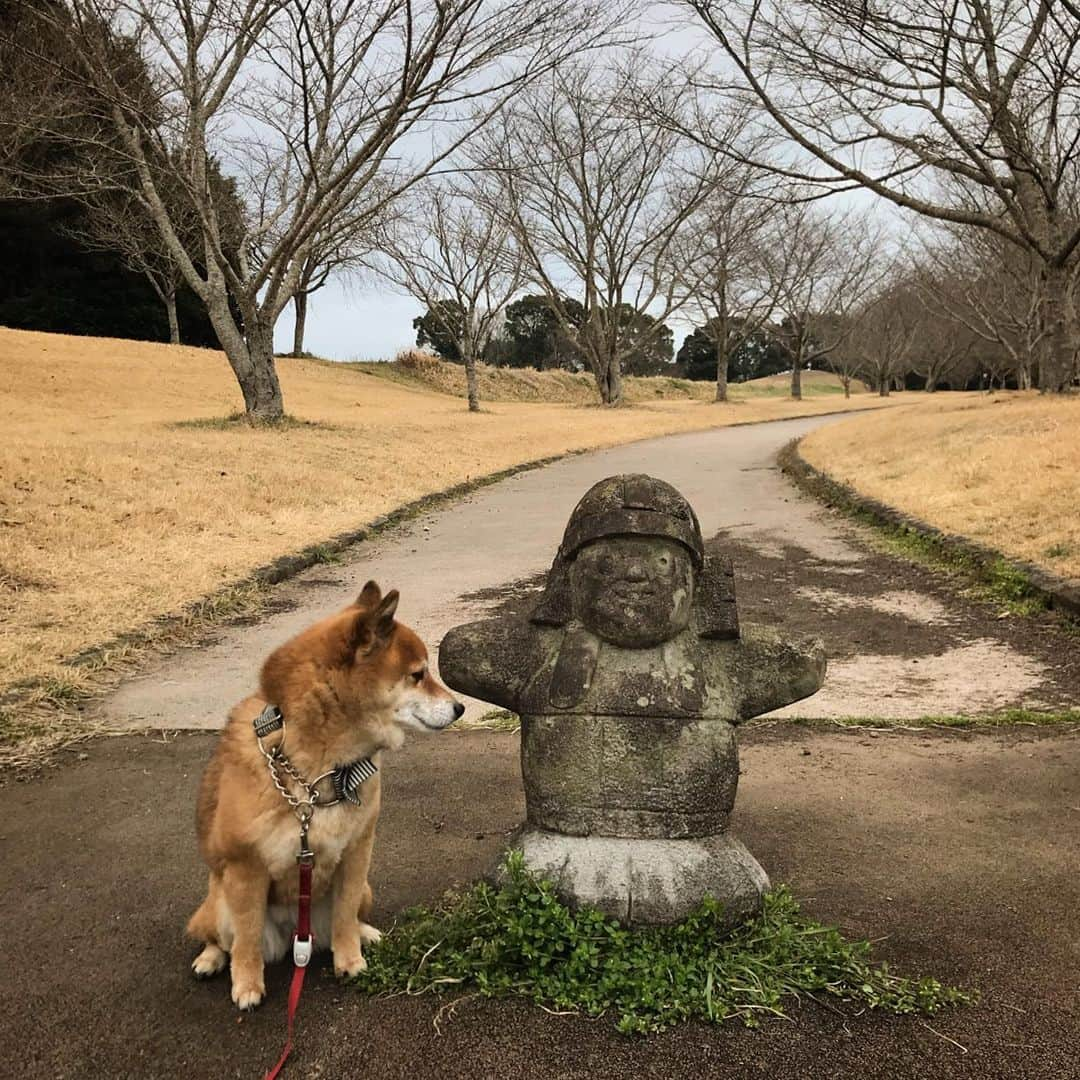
point(112, 511)
point(1002, 470)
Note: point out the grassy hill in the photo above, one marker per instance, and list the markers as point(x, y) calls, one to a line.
point(1003, 470)
point(415, 368)
point(814, 384)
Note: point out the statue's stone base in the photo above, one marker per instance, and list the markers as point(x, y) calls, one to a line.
point(647, 882)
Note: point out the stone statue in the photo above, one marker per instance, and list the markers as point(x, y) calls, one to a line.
point(629, 676)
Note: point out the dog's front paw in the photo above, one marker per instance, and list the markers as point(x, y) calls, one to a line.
point(247, 993)
point(369, 934)
point(349, 963)
point(209, 962)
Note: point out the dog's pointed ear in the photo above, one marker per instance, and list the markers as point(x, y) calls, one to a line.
point(374, 619)
point(370, 596)
point(384, 615)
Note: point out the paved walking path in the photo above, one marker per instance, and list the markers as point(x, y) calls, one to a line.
point(958, 854)
point(452, 564)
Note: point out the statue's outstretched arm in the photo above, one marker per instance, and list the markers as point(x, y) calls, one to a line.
point(773, 672)
point(491, 659)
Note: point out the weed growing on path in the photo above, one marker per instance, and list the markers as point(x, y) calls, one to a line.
point(495, 720)
point(997, 582)
point(519, 938)
point(501, 720)
point(1000, 719)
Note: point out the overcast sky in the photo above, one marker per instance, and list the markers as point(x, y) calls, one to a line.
point(349, 321)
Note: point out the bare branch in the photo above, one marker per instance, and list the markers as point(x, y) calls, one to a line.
point(597, 197)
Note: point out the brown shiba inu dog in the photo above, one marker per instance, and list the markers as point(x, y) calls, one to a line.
point(345, 688)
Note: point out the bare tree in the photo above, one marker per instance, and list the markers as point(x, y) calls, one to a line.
point(322, 262)
point(823, 269)
point(314, 273)
point(596, 196)
point(729, 283)
point(887, 327)
point(967, 113)
point(943, 344)
point(454, 253)
point(55, 135)
point(991, 290)
point(321, 111)
point(847, 364)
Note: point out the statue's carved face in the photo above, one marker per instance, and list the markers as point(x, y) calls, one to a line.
point(633, 591)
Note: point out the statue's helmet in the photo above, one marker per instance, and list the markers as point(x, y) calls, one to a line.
point(633, 505)
point(637, 505)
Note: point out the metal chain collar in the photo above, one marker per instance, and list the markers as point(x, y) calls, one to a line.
point(302, 806)
point(346, 779)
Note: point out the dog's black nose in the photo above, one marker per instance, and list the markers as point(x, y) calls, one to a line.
point(458, 710)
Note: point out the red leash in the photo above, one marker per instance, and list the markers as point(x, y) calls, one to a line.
point(347, 780)
point(302, 945)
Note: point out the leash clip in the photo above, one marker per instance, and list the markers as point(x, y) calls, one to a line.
point(301, 951)
point(305, 856)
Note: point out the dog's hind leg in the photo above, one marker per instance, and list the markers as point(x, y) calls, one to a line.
point(203, 926)
point(209, 962)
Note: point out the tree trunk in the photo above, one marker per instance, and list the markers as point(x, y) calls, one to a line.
point(263, 402)
point(796, 380)
point(931, 382)
point(1059, 358)
point(174, 322)
point(721, 370)
point(251, 357)
point(609, 381)
point(845, 381)
point(884, 386)
point(300, 301)
point(472, 388)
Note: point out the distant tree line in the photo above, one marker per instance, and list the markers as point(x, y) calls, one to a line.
point(920, 328)
point(50, 280)
point(531, 336)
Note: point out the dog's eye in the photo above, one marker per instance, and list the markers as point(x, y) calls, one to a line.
point(417, 676)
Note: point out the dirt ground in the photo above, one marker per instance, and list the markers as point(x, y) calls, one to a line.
point(957, 853)
point(901, 635)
